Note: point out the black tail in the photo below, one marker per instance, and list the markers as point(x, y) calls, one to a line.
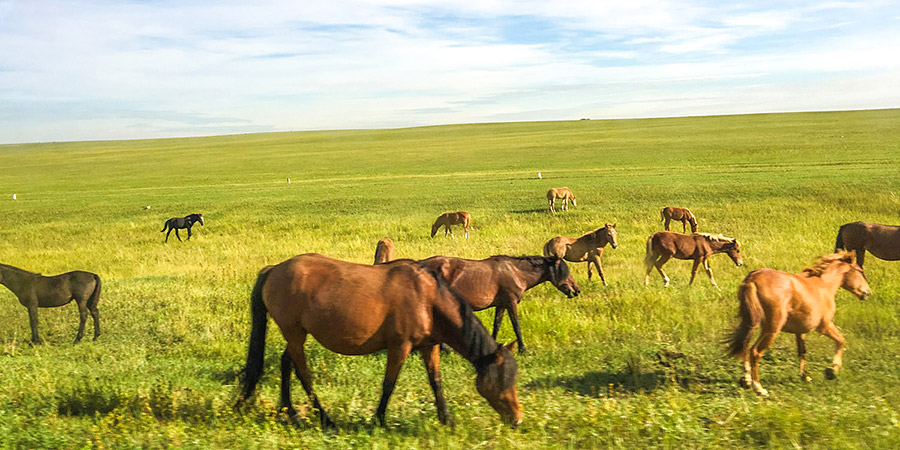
point(95, 296)
point(839, 243)
point(256, 350)
point(165, 225)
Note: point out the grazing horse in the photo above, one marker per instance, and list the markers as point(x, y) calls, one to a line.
point(357, 309)
point(500, 281)
point(37, 291)
point(384, 251)
point(451, 218)
point(698, 246)
point(779, 301)
point(682, 215)
point(563, 193)
point(181, 222)
point(883, 241)
point(586, 248)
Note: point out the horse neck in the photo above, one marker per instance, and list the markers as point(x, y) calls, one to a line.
point(530, 274)
point(598, 238)
point(717, 246)
point(465, 333)
point(833, 276)
point(12, 277)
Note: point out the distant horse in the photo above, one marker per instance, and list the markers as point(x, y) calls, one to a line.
point(563, 193)
point(586, 248)
point(357, 309)
point(181, 222)
point(384, 251)
point(682, 215)
point(883, 241)
point(698, 246)
point(451, 218)
point(500, 281)
point(37, 291)
point(780, 301)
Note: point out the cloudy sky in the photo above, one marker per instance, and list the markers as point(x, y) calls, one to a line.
point(116, 69)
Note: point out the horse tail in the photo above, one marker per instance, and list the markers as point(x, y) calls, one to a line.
point(649, 257)
point(839, 243)
point(751, 314)
point(256, 350)
point(95, 296)
point(165, 225)
point(662, 215)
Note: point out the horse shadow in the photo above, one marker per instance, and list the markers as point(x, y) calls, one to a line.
point(529, 211)
point(599, 383)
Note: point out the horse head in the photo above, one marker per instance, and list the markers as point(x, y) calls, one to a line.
point(612, 235)
point(496, 382)
point(734, 252)
point(854, 280)
point(561, 277)
point(198, 218)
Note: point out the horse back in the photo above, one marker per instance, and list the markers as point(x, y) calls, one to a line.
point(676, 245)
point(883, 241)
point(477, 281)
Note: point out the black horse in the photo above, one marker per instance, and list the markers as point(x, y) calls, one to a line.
point(181, 222)
point(35, 290)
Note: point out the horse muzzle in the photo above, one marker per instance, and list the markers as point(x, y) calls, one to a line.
point(614, 245)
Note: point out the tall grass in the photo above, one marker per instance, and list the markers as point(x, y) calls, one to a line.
point(620, 366)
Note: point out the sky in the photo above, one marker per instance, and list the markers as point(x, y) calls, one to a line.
point(98, 70)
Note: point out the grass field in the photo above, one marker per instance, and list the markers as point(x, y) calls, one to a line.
point(600, 371)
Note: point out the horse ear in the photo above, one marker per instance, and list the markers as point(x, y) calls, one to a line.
point(850, 256)
point(511, 346)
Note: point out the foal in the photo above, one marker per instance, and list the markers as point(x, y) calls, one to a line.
point(451, 218)
point(682, 215)
point(563, 193)
point(586, 248)
point(698, 246)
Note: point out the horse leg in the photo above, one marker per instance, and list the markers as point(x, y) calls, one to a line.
point(801, 353)
point(649, 263)
point(33, 321)
point(498, 316)
point(551, 205)
point(709, 272)
point(396, 356)
point(178, 235)
point(189, 233)
point(449, 230)
point(596, 261)
point(694, 270)
point(668, 219)
point(514, 318)
point(831, 331)
point(287, 366)
point(658, 264)
point(432, 358)
point(765, 339)
point(95, 314)
point(298, 355)
point(82, 316)
point(168, 233)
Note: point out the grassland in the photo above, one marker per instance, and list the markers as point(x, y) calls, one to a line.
point(602, 369)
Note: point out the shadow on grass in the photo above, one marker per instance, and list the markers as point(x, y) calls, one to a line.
point(529, 211)
point(595, 384)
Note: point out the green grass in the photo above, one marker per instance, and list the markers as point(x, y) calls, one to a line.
point(599, 372)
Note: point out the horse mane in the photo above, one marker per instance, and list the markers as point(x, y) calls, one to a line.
point(717, 237)
point(16, 269)
point(822, 264)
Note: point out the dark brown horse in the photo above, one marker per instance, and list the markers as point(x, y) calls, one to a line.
point(451, 218)
point(698, 246)
point(883, 241)
point(563, 193)
point(500, 281)
point(356, 309)
point(682, 215)
point(177, 223)
point(779, 301)
point(586, 248)
point(384, 251)
point(37, 291)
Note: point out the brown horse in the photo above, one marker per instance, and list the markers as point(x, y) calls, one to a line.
point(779, 301)
point(586, 248)
point(563, 193)
point(883, 241)
point(384, 251)
point(37, 291)
point(698, 246)
point(357, 309)
point(500, 281)
point(682, 215)
point(451, 218)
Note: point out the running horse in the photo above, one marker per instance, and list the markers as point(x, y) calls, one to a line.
point(37, 291)
point(682, 215)
point(500, 281)
point(586, 248)
point(565, 194)
point(883, 241)
point(177, 223)
point(698, 246)
point(384, 251)
point(777, 301)
point(451, 218)
point(357, 309)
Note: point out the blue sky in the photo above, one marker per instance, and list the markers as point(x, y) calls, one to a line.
point(94, 69)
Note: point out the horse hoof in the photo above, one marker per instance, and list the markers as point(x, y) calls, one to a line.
point(830, 374)
point(744, 383)
point(805, 378)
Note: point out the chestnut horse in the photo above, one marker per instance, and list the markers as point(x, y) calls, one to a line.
point(586, 248)
point(682, 215)
point(357, 309)
point(698, 246)
point(779, 301)
point(384, 251)
point(451, 218)
point(563, 193)
point(37, 291)
point(500, 281)
point(883, 241)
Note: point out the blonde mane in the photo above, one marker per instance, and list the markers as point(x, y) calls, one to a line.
point(824, 261)
point(716, 237)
